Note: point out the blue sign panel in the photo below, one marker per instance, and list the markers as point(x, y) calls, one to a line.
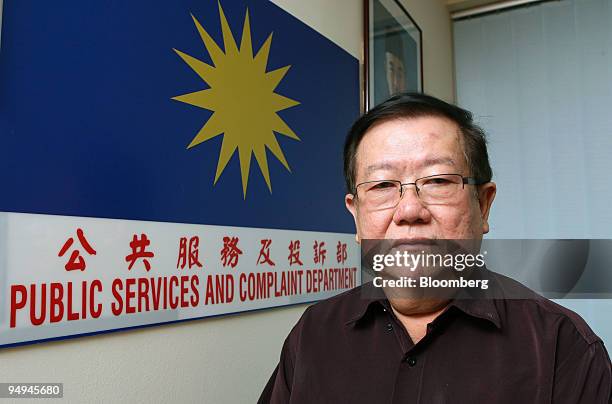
point(230, 113)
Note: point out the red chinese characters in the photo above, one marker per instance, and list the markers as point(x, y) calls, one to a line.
point(294, 253)
point(264, 253)
point(76, 261)
point(341, 252)
point(138, 246)
point(189, 255)
point(320, 252)
point(230, 251)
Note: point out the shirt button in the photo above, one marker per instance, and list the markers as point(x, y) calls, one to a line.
point(411, 361)
point(389, 327)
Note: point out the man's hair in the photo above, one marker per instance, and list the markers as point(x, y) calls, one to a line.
point(416, 105)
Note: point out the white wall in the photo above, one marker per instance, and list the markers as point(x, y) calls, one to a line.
point(226, 359)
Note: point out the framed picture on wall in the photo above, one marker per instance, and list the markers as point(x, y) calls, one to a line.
point(393, 51)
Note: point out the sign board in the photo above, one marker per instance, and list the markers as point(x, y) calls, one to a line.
point(64, 276)
point(157, 157)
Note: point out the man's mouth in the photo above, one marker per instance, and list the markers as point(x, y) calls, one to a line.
point(413, 243)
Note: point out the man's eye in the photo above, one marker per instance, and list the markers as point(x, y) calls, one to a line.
point(438, 181)
point(383, 185)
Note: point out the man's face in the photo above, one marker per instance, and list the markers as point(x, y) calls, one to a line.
point(407, 149)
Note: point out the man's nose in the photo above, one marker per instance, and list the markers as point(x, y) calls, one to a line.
point(410, 209)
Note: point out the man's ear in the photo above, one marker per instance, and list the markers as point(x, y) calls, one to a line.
point(351, 206)
point(486, 194)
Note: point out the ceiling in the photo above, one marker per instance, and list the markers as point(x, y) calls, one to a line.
point(460, 5)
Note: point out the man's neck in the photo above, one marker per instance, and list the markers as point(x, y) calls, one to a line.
point(415, 321)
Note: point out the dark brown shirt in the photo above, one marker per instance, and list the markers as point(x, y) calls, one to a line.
point(353, 349)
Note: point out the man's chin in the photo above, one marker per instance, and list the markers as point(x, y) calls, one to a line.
point(415, 305)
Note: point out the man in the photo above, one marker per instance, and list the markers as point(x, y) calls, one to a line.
point(368, 346)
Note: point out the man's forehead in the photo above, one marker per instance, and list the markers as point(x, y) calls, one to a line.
point(390, 164)
point(418, 142)
point(422, 132)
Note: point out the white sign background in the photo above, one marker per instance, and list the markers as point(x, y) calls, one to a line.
point(29, 256)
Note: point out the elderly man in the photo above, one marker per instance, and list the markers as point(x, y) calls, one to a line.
point(369, 346)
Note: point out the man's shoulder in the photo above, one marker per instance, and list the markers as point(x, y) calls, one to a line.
point(533, 307)
point(342, 307)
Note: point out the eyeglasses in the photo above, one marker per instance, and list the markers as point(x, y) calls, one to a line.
point(433, 189)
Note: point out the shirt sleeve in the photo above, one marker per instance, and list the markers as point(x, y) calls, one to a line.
point(584, 375)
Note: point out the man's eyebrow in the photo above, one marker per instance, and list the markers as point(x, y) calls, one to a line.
point(437, 161)
point(425, 163)
point(379, 166)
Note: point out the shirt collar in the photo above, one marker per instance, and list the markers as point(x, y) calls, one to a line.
point(367, 297)
point(483, 308)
